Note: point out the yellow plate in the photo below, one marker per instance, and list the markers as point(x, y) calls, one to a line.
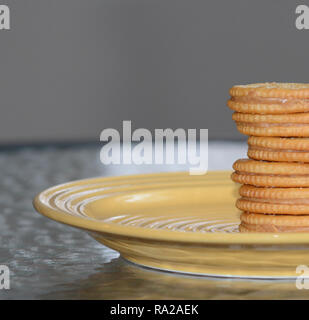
point(175, 222)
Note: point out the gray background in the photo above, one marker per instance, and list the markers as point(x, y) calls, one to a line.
point(70, 68)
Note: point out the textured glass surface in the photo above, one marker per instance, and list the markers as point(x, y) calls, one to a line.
point(49, 260)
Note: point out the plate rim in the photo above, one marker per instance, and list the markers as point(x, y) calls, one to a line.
point(160, 235)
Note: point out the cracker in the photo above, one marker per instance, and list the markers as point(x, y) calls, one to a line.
point(267, 107)
point(302, 118)
point(275, 155)
point(270, 181)
point(272, 89)
point(252, 222)
point(277, 143)
point(271, 168)
point(273, 131)
point(273, 193)
point(272, 208)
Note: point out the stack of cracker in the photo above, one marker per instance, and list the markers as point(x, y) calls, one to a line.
point(275, 178)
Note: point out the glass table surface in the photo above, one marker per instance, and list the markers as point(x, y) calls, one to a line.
point(48, 260)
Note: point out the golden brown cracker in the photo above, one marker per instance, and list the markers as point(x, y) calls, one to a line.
point(252, 222)
point(276, 130)
point(277, 143)
point(268, 207)
point(272, 89)
point(271, 168)
point(273, 193)
point(270, 181)
point(270, 106)
point(301, 118)
point(277, 155)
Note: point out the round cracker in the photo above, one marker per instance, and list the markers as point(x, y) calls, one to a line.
point(271, 118)
point(273, 155)
point(269, 108)
point(273, 193)
point(272, 208)
point(297, 144)
point(272, 90)
point(271, 168)
point(273, 131)
point(270, 181)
